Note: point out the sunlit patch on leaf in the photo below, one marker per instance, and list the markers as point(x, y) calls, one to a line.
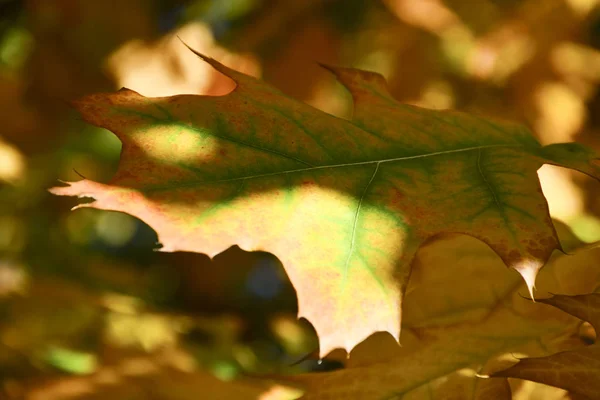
point(345, 205)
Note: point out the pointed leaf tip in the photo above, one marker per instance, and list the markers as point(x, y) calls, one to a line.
point(585, 306)
point(575, 156)
point(529, 269)
point(228, 72)
point(359, 82)
point(196, 52)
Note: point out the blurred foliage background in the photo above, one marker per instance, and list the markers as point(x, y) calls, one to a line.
point(86, 306)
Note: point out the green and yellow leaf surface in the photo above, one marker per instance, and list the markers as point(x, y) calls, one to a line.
point(344, 204)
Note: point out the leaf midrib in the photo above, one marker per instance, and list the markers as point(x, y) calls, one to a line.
point(319, 167)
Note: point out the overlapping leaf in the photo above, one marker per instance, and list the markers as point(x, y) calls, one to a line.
point(343, 204)
point(454, 332)
point(576, 370)
point(142, 378)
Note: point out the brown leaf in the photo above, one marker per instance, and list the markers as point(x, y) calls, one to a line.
point(576, 370)
point(455, 332)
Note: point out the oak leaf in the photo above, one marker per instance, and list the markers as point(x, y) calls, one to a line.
point(455, 333)
point(574, 370)
point(344, 204)
point(144, 377)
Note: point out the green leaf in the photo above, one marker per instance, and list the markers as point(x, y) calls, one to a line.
point(71, 361)
point(344, 204)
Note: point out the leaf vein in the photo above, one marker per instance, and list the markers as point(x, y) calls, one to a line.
point(355, 223)
point(320, 167)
